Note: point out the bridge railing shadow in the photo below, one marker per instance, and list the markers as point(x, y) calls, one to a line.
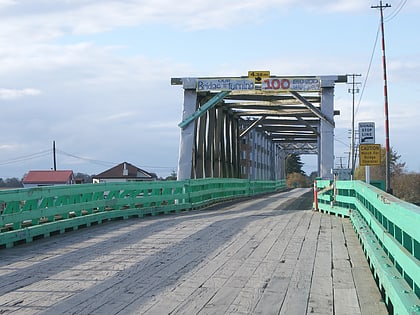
point(389, 231)
point(31, 213)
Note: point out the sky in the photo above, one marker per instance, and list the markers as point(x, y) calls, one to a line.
point(94, 76)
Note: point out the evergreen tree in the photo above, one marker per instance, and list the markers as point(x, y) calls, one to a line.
point(294, 164)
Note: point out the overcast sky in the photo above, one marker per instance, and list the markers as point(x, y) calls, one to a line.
point(95, 75)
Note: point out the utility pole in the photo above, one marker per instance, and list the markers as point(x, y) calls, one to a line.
point(387, 148)
point(353, 90)
point(54, 158)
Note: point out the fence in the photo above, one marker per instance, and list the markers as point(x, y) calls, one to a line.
point(32, 213)
point(389, 231)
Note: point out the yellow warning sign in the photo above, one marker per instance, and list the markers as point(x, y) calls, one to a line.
point(258, 76)
point(369, 154)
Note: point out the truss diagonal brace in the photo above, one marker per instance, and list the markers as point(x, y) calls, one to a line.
point(203, 109)
point(252, 126)
point(307, 125)
point(312, 108)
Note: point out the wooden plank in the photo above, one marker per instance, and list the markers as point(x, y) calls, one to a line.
point(272, 298)
point(369, 297)
point(299, 288)
point(345, 301)
point(321, 294)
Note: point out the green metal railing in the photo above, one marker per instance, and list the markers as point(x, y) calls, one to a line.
point(31, 213)
point(389, 231)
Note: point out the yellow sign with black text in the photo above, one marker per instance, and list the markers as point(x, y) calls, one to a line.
point(369, 154)
point(258, 76)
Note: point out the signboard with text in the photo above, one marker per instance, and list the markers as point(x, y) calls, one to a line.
point(369, 154)
point(258, 75)
point(367, 133)
point(225, 84)
point(291, 84)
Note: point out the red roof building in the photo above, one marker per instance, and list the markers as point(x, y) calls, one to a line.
point(48, 178)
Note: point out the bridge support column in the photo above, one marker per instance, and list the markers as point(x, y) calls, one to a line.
point(188, 133)
point(326, 145)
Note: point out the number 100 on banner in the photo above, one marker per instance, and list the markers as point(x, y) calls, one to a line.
point(291, 84)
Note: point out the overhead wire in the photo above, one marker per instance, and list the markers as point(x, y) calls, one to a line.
point(368, 70)
point(99, 162)
point(396, 11)
point(27, 157)
point(107, 163)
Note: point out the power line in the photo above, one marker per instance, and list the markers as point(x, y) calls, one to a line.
point(368, 70)
point(27, 157)
point(389, 18)
point(107, 163)
point(94, 161)
point(396, 11)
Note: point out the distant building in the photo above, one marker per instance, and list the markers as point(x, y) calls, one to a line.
point(123, 172)
point(48, 178)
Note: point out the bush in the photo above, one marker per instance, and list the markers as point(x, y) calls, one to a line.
point(295, 180)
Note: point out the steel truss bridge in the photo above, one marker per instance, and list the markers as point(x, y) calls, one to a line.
point(244, 127)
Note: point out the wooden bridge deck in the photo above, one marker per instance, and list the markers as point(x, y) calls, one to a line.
point(259, 256)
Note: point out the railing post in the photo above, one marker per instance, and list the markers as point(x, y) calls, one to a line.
point(315, 197)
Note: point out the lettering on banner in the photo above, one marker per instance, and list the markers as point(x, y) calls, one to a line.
point(225, 85)
point(292, 84)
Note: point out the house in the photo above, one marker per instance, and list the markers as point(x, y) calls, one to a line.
point(123, 172)
point(48, 178)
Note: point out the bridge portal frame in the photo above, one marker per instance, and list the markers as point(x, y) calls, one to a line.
point(210, 136)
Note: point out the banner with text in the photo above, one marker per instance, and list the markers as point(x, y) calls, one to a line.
point(225, 84)
point(291, 84)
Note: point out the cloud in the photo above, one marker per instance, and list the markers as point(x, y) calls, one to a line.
point(40, 20)
point(10, 94)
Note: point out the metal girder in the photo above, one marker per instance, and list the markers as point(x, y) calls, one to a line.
point(267, 96)
point(312, 108)
point(312, 121)
point(256, 122)
point(204, 108)
point(294, 129)
point(299, 148)
point(287, 113)
point(268, 104)
point(292, 136)
point(309, 126)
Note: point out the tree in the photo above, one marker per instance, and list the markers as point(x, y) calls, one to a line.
point(295, 180)
point(173, 176)
point(83, 178)
point(407, 187)
point(11, 183)
point(294, 164)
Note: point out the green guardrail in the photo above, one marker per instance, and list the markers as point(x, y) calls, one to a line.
point(31, 213)
point(389, 231)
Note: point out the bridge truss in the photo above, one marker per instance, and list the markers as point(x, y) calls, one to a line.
point(244, 127)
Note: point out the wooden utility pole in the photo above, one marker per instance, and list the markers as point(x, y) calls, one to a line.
point(54, 158)
point(387, 148)
point(353, 91)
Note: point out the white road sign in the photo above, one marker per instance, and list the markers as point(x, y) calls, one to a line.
point(367, 133)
